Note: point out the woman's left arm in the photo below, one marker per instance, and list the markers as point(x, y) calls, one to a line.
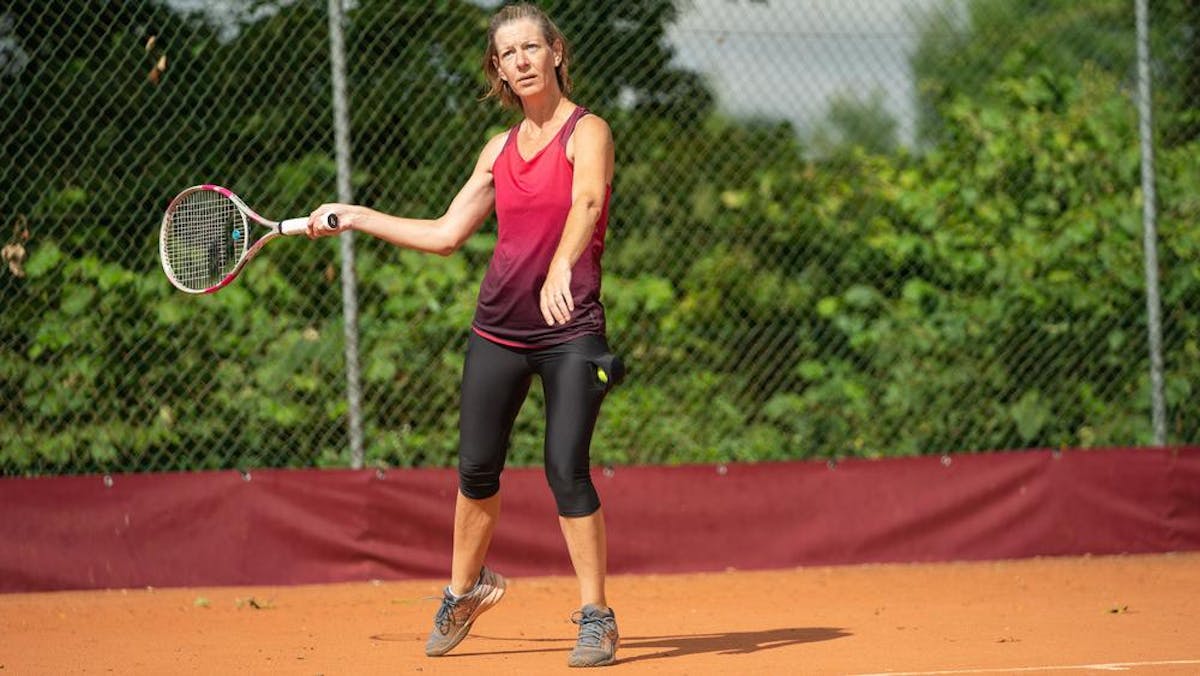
point(592, 147)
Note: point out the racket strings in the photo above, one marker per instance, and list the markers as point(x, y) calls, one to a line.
point(206, 237)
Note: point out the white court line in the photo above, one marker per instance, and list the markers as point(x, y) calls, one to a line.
point(1111, 666)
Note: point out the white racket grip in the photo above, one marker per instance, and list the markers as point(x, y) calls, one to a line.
point(294, 226)
point(299, 226)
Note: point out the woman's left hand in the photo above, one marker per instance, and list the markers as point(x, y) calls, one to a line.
point(556, 301)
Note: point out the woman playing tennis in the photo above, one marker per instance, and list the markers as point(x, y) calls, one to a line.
point(549, 181)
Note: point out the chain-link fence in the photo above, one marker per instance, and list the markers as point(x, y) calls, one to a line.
point(864, 228)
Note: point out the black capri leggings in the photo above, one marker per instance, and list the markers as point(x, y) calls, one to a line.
point(495, 381)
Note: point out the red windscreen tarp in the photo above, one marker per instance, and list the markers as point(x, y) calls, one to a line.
point(313, 526)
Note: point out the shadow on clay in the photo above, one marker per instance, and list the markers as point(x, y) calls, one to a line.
point(721, 643)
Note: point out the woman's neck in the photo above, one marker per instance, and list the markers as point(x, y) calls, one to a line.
point(546, 110)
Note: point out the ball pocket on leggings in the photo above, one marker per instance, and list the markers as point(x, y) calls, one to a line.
point(610, 370)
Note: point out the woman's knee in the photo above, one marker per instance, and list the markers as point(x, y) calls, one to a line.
point(573, 491)
point(478, 481)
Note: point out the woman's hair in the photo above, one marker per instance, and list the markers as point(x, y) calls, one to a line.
point(523, 10)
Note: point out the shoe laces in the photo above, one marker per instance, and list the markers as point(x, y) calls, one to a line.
point(592, 627)
point(445, 614)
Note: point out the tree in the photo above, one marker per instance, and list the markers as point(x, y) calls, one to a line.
point(995, 39)
point(851, 123)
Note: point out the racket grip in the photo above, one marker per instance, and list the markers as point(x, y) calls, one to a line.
point(294, 226)
point(299, 226)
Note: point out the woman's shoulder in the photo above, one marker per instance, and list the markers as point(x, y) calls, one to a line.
point(588, 118)
point(592, 126)
point(491, 149)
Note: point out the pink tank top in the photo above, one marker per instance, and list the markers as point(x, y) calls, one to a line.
point(533, 198)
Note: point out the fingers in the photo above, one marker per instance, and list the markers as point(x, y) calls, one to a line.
point(569, 303)
point(556, 304)
point(556, 301)
point(324, 221)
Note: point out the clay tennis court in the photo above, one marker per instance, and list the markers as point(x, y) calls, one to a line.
point(965, 565)
point(1047, 615)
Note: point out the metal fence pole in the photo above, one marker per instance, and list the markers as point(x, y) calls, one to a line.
point(341, 118)
point(1149, 228)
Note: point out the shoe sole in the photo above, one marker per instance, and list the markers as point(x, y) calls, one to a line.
point(486, 604)
point(605, 663)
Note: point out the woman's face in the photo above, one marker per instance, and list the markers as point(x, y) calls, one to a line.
point(524, 59)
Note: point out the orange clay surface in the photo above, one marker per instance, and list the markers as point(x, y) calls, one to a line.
point(1138, 614)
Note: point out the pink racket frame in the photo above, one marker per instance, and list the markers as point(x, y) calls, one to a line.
point(291, 226)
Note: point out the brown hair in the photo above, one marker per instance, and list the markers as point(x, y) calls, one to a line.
point(497, 87)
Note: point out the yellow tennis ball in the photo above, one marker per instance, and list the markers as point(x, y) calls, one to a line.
point(602, 375)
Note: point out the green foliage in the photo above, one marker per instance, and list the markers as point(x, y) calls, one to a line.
point(987, 294)
point(1001, 39)
point(772, 303)
point(852, 123)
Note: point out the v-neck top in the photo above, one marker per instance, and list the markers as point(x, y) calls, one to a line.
point(533, 198)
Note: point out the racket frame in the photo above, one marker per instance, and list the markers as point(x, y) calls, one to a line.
point(287, 227)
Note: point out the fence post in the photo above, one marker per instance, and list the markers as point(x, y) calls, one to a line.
point(341, 122)
point(1149, 227)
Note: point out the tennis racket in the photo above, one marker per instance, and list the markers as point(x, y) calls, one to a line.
point(205, 238)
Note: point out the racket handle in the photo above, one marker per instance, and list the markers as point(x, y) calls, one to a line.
point(299, 226)
point(294, 226)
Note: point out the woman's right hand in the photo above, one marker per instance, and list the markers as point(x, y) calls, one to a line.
point(346, 215)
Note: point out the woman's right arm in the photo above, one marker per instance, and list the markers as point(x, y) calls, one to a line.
point(444, 235)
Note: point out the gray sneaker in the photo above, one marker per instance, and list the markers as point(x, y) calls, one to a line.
point(455, 617)
point(597, 644)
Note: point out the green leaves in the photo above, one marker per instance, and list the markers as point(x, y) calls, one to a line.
point(775, 298)
point(1030, 414)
